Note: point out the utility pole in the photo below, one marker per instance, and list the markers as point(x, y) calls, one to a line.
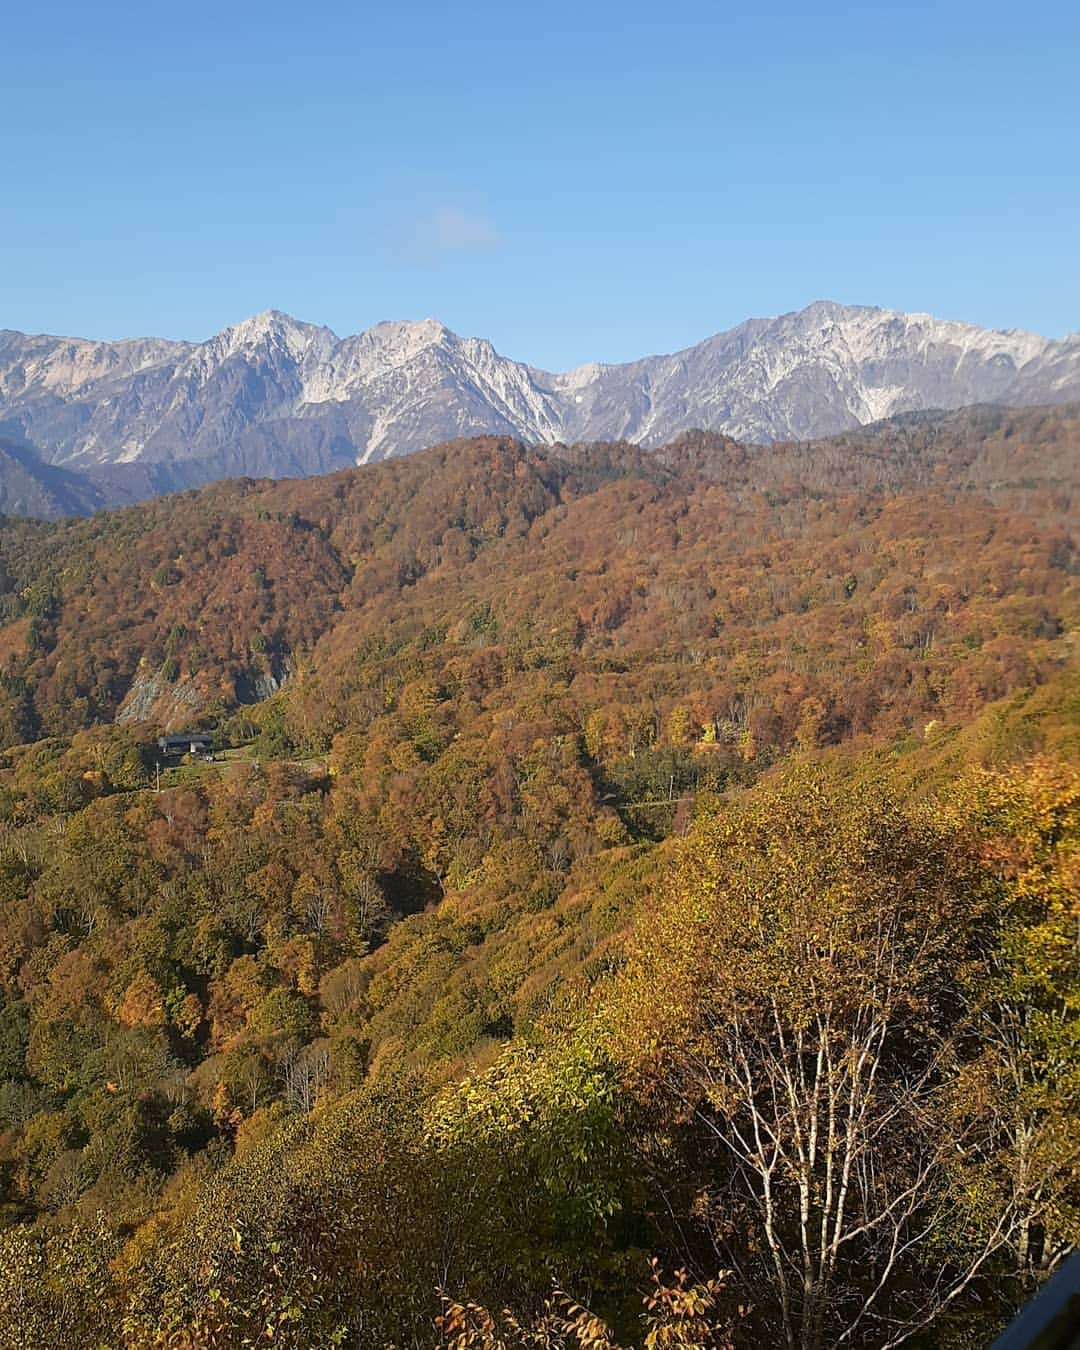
point(158, 787)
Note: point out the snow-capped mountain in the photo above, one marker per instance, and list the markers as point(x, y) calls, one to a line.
point(821, 370)
point(275, 396)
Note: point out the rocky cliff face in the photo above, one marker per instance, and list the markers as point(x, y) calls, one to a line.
point(273, 396)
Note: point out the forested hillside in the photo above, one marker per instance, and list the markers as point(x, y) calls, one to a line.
point(609, 857)
point(705, 552)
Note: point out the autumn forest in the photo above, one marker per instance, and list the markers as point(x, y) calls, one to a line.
point(632, 899)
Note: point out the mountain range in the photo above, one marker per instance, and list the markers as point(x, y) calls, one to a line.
point(85, 424)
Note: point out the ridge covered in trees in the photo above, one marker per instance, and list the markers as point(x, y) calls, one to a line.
point(619, 857)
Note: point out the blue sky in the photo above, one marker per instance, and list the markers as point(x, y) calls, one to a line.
point(587, 181)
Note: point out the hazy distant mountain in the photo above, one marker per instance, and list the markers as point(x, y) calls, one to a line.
point(273, 396)
point(29, 487)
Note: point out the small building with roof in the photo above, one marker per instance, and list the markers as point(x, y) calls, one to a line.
point(181, 743)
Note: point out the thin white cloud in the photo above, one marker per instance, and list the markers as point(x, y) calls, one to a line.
point(447, 231)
